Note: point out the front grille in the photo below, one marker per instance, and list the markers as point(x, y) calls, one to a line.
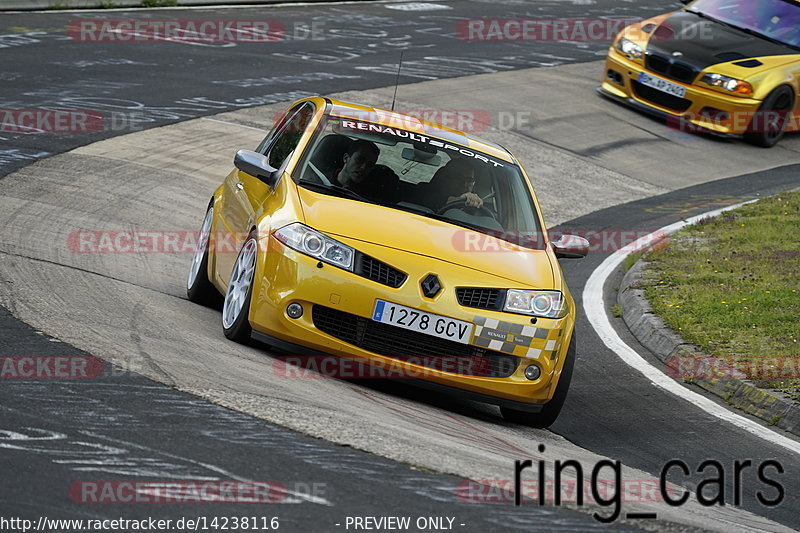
point(658, 64)
point(675, 70)
point(371, 268)
point(660, 98)
point(413, 347)
point(480, 298)
point(682, 73)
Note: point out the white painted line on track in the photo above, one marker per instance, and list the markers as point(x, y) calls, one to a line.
point(233, 124)
point(595, 311)
point(298, 497)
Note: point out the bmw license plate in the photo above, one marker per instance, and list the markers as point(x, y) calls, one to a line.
point(662, 85)
point(423, 322)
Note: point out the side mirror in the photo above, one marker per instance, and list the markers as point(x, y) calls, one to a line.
point(257, 165)
point(570, 247)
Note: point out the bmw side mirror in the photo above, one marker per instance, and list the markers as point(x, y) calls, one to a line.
point(570, 247)
point(257, 165)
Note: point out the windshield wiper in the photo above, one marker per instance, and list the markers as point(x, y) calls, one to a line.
point(699, 13)
point(338, 190)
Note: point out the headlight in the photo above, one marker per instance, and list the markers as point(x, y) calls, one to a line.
point(729, 84)
point(629, 48)
point(311, 242)
point(544, 304)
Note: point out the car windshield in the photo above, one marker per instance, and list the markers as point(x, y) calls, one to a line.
point(422, 174)
point(778, 20)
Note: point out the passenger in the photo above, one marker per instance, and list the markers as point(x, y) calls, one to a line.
point(357, 162)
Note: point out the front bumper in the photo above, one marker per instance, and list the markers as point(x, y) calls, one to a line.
point(687, 114)
point(284, 276)
point(296, 349)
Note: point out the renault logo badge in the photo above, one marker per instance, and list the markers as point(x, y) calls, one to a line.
point(431, 286)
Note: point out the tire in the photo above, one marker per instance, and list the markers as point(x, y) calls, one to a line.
point(236, 307)
point(549, 413)
point(199, 288)
point(769, 123)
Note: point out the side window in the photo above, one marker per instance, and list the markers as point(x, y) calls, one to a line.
point(282, 141)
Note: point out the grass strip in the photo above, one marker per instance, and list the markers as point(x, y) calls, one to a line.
point(731, 285)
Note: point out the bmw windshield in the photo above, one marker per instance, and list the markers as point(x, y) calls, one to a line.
point(419, 173)
point(776, 20)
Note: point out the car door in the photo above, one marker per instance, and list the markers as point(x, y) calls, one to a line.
point(278, 149)
point(245, 194)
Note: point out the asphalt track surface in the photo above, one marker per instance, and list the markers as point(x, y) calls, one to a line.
point(611, 412)
point(126, 427)
point(325, 49)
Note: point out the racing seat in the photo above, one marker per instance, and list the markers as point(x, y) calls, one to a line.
point(382, 184)
point(434, 193)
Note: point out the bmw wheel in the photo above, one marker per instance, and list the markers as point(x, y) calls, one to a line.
point(236, 308)
point(769, 122)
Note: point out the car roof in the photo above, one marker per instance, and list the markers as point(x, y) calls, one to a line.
point(386, 117)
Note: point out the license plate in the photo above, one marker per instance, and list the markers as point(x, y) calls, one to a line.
point(423, 322)
point(662, 85)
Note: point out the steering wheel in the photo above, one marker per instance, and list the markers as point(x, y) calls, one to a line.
point(461, 203)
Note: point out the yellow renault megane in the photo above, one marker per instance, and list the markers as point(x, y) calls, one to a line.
point(373, 236)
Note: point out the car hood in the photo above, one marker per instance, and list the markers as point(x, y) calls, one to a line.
point(690, 38)
point(426, 237)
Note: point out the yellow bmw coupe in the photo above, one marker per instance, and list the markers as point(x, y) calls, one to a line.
point(727, 67)
point(362, 234)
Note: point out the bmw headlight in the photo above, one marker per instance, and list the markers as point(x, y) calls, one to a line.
point(544, 304)
point(305, 240)
point(729, 84)
point(629, 48)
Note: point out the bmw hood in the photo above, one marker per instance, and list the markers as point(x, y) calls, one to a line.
point(426, 237)
point(690, 38)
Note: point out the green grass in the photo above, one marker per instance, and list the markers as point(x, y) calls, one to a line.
point(731, 285)
point(630, 260)
point(616, 310)
point(159, 3)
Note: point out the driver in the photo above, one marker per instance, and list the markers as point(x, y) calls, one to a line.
point(457, 183)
